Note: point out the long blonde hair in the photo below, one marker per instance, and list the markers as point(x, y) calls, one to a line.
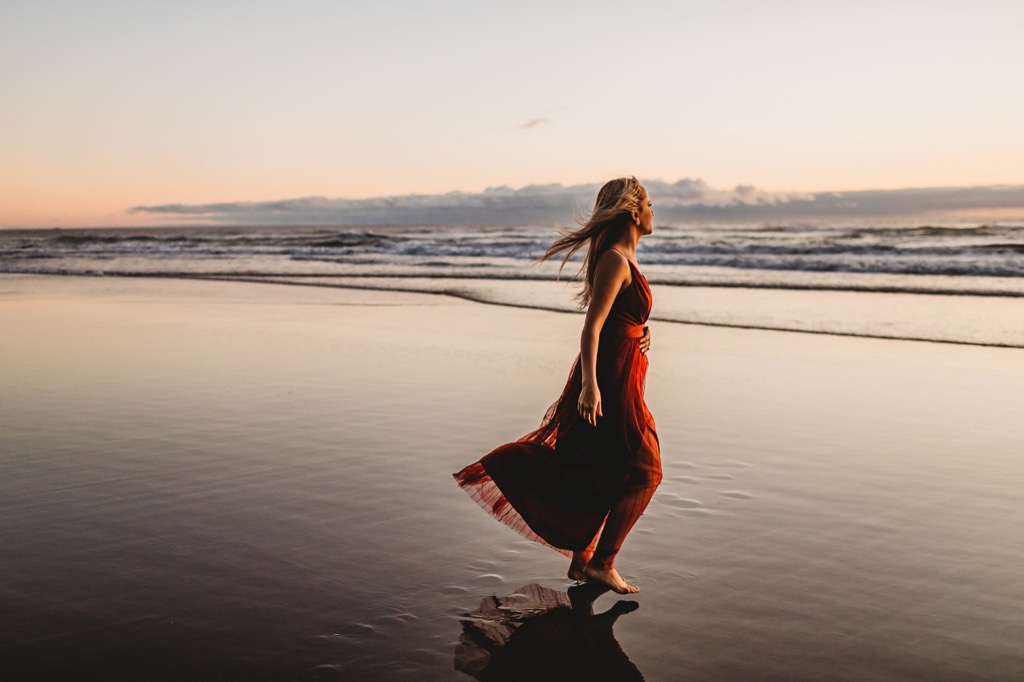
point(606, 224)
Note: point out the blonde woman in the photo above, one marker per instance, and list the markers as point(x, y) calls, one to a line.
point(580, 481)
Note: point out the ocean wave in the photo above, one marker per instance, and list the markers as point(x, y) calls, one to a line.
point(978, 269)
point(980, 250)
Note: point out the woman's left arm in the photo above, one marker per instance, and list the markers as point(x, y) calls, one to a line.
point(611, 276)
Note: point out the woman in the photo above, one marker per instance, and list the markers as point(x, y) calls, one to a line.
point(580, 481)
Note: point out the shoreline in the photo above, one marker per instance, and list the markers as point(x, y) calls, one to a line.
point(343, 283)
point(519, 278)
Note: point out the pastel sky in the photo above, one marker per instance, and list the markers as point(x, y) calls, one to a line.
point(106, 105)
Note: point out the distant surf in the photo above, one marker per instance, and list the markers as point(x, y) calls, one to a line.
point(912, 258)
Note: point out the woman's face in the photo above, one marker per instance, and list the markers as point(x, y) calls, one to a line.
point(645, 217)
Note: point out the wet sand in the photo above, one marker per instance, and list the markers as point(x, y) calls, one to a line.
point(214, 480)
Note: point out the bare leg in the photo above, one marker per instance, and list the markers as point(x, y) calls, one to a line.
point(581, 559)
point(620, 521)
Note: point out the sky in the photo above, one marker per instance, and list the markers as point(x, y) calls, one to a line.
point(110, 105)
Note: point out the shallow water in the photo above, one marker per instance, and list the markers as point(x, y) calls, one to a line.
point(219, 480)
point(956, 319)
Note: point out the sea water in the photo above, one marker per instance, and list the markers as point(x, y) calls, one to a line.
point(953, 281)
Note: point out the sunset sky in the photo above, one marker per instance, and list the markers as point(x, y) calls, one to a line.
point(110, 105)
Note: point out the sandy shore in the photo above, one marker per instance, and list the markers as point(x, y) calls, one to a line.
point(209, 480)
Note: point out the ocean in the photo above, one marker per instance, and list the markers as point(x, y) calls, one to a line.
point(952, 281)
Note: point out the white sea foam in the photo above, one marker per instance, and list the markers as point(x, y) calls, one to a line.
point(910, 259)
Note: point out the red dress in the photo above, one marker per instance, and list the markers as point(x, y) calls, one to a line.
point(557, 484)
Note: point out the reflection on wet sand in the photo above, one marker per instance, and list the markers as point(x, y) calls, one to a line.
point(542, 634)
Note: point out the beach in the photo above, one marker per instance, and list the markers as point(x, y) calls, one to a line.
point(227, 480)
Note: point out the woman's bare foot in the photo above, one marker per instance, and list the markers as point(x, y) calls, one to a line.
point(611, 578)
point(576, 566)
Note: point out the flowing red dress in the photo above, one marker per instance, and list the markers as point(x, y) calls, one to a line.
point(557, 484)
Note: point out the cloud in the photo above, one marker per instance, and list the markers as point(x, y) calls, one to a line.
point(533, 123)
point(686, 199)
point(688, 192)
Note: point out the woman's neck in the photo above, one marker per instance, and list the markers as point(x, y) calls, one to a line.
point(627, 245)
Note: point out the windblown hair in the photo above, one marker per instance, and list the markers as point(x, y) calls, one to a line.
point(606, 224)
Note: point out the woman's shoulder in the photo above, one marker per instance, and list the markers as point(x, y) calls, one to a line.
point(613, 264)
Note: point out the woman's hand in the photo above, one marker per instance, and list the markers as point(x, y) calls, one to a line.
point(589, 405)
point(645, 341)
